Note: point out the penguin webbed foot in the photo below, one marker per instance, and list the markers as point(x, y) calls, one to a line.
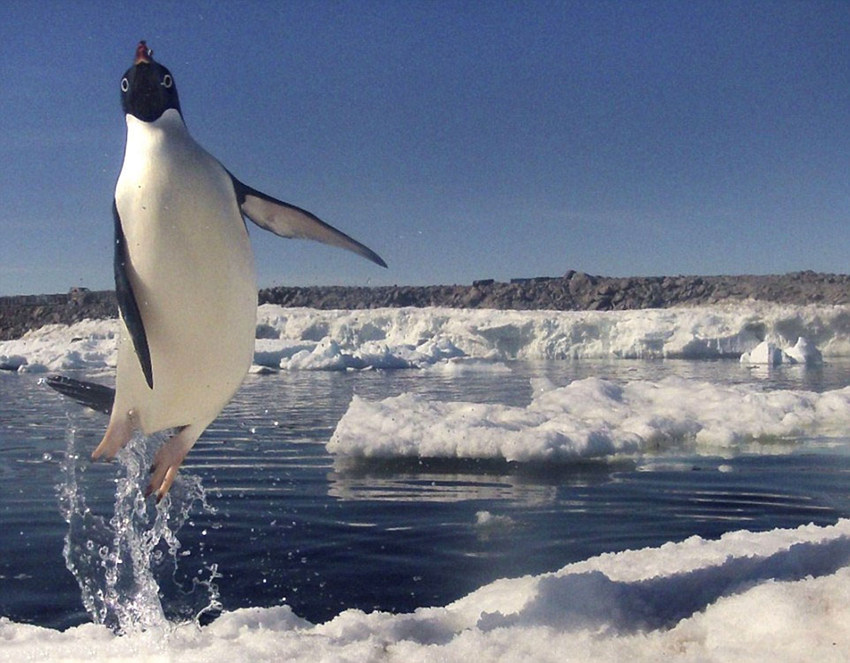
point(118, 434)
point(167, 461)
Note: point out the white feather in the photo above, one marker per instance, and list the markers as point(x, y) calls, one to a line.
point(192, 274)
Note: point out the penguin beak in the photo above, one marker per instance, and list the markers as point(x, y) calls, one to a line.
point(143, 54)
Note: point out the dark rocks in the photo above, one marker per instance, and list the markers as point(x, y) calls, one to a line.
point(22, 313)
point(573, 291)
point(579, 291)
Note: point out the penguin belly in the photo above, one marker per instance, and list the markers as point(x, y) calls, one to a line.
point(191, 270)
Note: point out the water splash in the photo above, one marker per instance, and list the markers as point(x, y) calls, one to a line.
point(126, 561)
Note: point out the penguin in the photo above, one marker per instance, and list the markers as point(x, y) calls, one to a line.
point(184, 274)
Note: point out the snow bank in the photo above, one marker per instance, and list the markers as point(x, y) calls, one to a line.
point(782, 595)
point(416, 337)
point(309, 339)
point(588, 418)
point(88, 345)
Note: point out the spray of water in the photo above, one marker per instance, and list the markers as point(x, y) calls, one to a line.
point(125, 556)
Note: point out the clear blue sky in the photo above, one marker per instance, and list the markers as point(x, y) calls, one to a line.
point(460, 140)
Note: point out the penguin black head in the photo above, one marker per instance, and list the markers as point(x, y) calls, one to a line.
point(147, 88)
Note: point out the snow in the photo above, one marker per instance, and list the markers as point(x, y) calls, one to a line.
point(88, 345)
point(768, 353)
point(589, 418)
point(308, 339)
point(781, 595)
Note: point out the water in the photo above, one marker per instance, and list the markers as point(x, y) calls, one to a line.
point(118, 558)
point(263, 515)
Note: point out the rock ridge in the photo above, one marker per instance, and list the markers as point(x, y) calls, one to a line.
point(575, 291)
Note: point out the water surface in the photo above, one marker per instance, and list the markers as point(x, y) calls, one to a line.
point(283, 521)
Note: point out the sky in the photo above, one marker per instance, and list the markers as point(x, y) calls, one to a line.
point(459, 140)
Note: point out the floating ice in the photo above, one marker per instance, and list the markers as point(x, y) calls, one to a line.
point(309, 339)
point(12, 362)
point(588, 418)
point(765, 353)
point(804, 352)
point(770, 354)
point(782, 595)
point(486, 521)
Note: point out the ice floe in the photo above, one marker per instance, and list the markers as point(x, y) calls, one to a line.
point(588, 418)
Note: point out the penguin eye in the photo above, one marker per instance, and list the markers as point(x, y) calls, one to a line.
point(125, 85)
point(167, 82)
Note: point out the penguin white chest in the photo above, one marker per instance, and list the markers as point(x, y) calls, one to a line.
point(191, 270)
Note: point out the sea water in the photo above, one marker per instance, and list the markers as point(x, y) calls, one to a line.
point(263, 515)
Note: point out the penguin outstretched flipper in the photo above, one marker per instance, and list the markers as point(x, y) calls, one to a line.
point(90, 394)
point(293, 222)
point(127, 303)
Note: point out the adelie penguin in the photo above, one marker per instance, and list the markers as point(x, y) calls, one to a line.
point(184, 274)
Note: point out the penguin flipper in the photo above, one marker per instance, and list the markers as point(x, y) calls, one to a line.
point(293, 222)
point(127, 303)
point(90, 394)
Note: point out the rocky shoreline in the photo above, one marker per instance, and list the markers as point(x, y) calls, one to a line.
point(572, 292)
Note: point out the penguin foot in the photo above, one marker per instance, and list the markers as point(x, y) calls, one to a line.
point(167, 462)
point(118, 433)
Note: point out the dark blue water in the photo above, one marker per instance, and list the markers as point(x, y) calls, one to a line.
point(284, 522)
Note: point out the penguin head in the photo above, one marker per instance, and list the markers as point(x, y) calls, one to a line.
point(147, 88)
